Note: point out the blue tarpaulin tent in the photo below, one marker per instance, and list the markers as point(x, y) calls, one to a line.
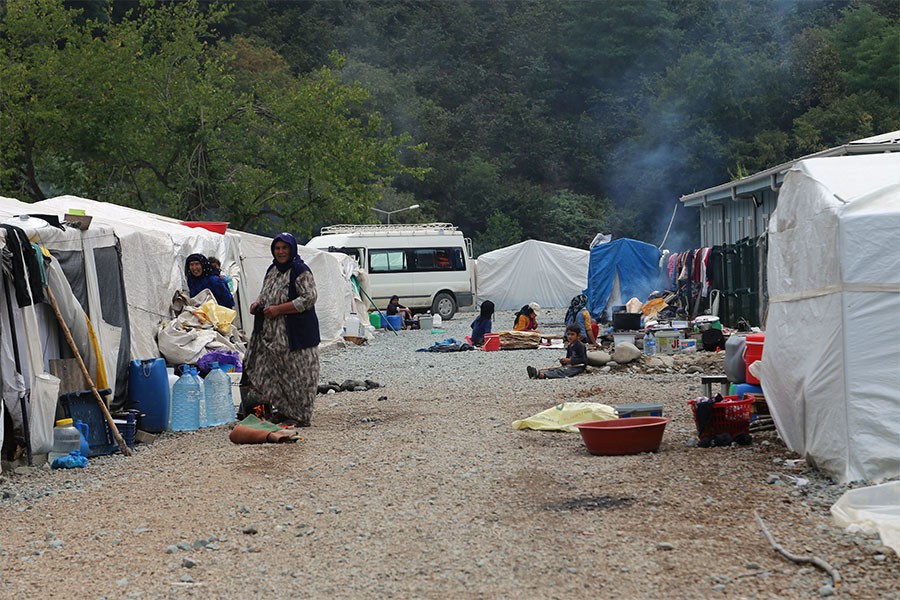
point(620, 270)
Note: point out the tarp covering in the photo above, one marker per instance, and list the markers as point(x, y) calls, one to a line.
point(830, 360)
point(531, 271)
point(620, 270)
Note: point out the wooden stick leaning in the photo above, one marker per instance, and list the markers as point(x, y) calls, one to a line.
point(87, 376)
point(813, 560)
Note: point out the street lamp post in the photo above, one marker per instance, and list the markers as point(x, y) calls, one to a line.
point(391, 212)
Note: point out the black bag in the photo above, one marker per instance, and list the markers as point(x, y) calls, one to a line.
point(253, 402)
point(713, 340)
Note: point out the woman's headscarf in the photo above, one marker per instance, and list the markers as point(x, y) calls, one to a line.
point(288, 239)
point(578, 304)
point(487, 310)
point(208, 269)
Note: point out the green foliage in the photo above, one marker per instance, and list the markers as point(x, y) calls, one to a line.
point(146, 111)
point(514, 119)
point(502, 230)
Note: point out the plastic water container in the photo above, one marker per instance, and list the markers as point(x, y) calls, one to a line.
point(217, 388)
point(65, 439)
point(754, 352)
point(187, 397)
point(395, 322)
point(650, 345)
point(351, 326)
point(436, 322)
point(149, 393)
point(204, 406)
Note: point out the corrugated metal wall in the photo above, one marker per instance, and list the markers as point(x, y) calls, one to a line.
point(728, 221)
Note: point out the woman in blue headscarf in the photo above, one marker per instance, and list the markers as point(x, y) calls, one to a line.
point(201, 275)
point(282, 361)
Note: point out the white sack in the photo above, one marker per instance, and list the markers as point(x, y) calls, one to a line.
point(42, 412)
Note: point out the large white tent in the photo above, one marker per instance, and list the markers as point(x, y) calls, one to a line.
point(155, 247)
point(831, 360)
point(532, 271)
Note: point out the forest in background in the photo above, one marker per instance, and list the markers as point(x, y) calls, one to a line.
point(550, 120)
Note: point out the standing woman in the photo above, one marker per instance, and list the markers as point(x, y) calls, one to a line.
point(283, 359)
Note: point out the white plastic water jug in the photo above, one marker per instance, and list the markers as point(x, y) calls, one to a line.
point(351, 326)
point(217, 390)
point(436, 321)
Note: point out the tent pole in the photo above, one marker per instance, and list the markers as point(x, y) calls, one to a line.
point(112, 425)
point(369, 298)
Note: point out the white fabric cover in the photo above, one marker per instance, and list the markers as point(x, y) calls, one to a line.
point(832, 350)
point(532, 271)
point(155, 247)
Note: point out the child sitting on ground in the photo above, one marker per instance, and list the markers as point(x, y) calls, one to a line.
point(574, 362)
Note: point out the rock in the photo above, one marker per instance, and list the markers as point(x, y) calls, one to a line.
point(826, 590)
point(664, 546)
point(188, 563)
point(626, 353)
point(667, 361)
point(249, 530)
point(171, 549)
point(597, 358)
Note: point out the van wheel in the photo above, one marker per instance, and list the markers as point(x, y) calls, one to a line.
point(444, 305)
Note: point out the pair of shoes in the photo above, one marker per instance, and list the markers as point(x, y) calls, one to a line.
point(532, 373)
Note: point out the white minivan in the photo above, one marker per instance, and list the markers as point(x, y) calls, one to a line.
point(428, 265)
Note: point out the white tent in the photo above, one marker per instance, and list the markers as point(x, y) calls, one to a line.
point(155, 247)
point(29, 337)
point(831, 360)
point(532, 271)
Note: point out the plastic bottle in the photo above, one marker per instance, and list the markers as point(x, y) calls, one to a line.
point(204, 403)
point(187, 396)
point(217, 387)
point(649, 344)
point(436, 322)
point(65, 439)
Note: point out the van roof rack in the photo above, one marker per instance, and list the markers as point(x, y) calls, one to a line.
point(388, 228)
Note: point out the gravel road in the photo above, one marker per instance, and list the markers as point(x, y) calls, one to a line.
point(422, 489)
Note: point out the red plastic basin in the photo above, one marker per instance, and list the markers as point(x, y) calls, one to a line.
point(214, 226)
point(623, 436)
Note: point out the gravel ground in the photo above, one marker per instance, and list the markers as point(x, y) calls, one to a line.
point(422, 489)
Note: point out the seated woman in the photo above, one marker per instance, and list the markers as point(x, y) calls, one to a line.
point(218, 267)
point(482, 323)
point(574, 362)
point(201, 275)
point(526, 319)
point(395, 308)
point(579, 316)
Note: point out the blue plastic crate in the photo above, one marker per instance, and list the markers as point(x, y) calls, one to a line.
point(83, 407)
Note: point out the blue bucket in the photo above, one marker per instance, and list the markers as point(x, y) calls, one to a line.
point(395, 322)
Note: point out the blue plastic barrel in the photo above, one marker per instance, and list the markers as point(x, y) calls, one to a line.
point(148, 390)
point(395, 321)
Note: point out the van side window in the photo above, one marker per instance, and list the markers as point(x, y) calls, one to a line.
point(438, 259)
point(385, 261)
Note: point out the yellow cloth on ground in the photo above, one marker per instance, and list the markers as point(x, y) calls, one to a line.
point(564, 417)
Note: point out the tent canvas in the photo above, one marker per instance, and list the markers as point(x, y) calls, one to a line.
point(834, 297)
point(531, 271)
point(32, 331)
point(155, 247)
point(620, 270)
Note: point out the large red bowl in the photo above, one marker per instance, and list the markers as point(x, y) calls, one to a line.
point(214, 226)
point(623, 436)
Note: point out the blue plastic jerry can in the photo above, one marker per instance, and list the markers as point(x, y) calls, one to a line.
point(84, 448)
